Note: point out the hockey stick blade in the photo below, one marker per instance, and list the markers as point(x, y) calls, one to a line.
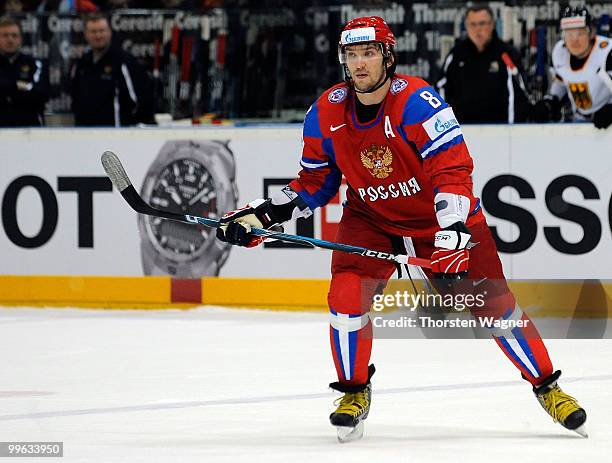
point(115, 171)
point(118, 176)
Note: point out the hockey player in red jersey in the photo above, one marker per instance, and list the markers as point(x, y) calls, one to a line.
point(408, 170)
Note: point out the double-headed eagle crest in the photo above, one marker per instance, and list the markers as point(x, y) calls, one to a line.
point(377, 159)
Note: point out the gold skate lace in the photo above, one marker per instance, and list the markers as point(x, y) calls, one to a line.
point(351, 403)
point(558, 404)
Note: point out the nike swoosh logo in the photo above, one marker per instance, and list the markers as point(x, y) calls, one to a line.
point(476, 283)
point(333, 129)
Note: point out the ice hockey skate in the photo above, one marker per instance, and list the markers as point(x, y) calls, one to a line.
point(352, 409)
point(562, 407)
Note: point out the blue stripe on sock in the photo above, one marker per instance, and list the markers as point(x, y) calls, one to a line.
point(512, 353)
point(338, 350)
point(518, 334)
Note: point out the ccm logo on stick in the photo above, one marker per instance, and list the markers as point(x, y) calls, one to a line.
point(382, 255)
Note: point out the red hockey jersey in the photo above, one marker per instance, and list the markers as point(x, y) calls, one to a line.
point(393, 165)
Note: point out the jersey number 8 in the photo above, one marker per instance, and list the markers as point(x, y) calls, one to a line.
point(432, 100)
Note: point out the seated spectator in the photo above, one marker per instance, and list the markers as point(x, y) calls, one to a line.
point(582, 63)
point(482, 77)
point(24, 83)
point(109, 87)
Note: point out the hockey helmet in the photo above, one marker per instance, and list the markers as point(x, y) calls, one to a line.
point(364, 30)
point(575, 18)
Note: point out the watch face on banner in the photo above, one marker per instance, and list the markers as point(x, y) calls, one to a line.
point(184, 187)
point(193, 177)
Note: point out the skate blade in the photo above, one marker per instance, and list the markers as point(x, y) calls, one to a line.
point(581, 430)
point(348, 434)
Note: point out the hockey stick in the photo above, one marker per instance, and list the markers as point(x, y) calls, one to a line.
point(116, 172)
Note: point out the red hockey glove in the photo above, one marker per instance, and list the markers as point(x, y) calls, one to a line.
point(236, 225)
point(451, 258)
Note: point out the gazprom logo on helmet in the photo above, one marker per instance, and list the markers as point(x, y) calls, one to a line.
point(362, 34)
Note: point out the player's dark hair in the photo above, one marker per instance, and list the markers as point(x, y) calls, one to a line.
point(391, 69)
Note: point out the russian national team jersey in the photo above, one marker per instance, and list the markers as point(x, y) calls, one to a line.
point(394, 164)
point(588, 88)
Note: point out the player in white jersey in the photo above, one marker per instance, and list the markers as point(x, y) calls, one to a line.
point(582, 65)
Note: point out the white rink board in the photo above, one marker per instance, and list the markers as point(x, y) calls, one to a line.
point(536, 154)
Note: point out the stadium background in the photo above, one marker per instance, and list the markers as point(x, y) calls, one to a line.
point(238, 72)
point(257, 62)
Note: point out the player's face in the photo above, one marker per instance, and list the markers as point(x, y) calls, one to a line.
point(578, 41)
point(365, 63)
point(98, 34)
point(479, 26)
point(10, 40)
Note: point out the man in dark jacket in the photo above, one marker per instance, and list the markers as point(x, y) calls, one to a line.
point(24, 83)
point(109, 87)
point(482, 77)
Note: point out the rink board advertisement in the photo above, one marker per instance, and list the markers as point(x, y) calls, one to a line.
point(545, 190)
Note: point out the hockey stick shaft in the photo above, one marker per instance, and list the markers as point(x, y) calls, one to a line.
point(116, 172)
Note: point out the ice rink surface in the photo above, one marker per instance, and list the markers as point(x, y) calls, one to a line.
point(213, 384)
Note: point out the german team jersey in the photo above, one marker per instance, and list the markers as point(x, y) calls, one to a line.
point(393, 164)
point(588, 88)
